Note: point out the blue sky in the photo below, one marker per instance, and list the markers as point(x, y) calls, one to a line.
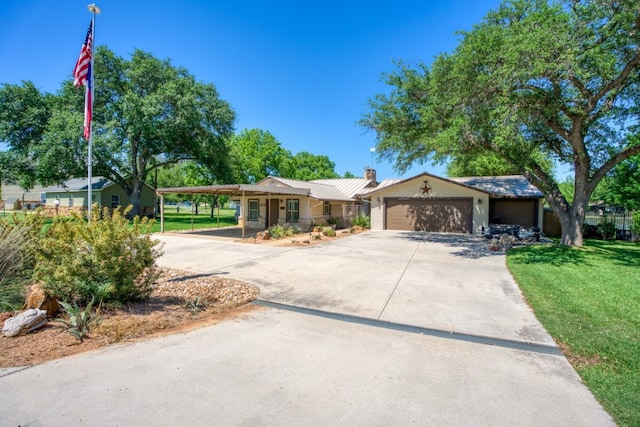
point(303, 71)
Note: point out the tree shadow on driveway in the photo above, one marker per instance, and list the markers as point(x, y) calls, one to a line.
point(469, 246)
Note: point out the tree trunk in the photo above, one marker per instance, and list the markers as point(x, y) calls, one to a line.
point(135, 197)
point(571, 229)
point(571, 219)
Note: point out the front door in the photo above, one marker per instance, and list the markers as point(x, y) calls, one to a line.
point(273, 211)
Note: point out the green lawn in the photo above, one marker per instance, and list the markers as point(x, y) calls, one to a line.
point(173, 220)
point(589, 300)
point(184, 220)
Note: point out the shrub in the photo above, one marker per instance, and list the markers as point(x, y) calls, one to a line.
point(329, 232)
point(589, 231)
point(279, 231)
point(18, 240)
point(607, 228)
point(108, 258)
point(363, 221)
point(635, 225)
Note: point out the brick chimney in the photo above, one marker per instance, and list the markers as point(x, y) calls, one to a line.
point(370, 173)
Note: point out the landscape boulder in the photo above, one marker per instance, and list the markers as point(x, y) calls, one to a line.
point(263, 235)
point(38, 298)
point(24, 322)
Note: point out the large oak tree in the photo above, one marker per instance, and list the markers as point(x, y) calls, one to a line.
point(534, 80)
point(147, 113)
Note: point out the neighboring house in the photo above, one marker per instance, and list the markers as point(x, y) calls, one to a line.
point(15, 197)
point(461, 205)
point(72, 195)
point(424, 202)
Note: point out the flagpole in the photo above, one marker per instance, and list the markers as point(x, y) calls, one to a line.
point(95, 10)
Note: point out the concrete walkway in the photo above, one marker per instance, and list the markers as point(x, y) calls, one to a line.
point(377, 329)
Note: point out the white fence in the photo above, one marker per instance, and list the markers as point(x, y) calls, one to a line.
point(623, 220)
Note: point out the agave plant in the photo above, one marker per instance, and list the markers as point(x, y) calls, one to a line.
point(79, 320)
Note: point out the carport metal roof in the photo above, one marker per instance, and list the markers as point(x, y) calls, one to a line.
point(235, 190)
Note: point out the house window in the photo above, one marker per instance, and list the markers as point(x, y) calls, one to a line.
point(253, 210)
point(326, 208)
point(115, 201)
point(70, 201)
point(43, 198)
point(293, 210)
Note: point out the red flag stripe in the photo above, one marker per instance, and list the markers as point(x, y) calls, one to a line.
point(81, 70)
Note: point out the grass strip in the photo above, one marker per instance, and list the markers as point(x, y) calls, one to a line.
point(589, 300)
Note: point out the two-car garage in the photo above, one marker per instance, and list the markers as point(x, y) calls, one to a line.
point(453, 205)
point(443, 214)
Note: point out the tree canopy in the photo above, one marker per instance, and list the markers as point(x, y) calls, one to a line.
point(532, 81)
point(147, 113)
point(256, 154)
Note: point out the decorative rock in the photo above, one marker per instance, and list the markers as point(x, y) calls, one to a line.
point(24, 322)
point(506, 241)
point(38, 298)
point(263, 235)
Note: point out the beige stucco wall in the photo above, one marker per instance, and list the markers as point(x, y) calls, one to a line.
point(439, 188)
point(303, 206)
point(310, 211)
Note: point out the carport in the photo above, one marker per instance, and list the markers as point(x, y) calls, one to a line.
point(237, 190)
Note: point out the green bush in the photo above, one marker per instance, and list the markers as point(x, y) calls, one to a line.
point(635, 225)
point(363, 221)
point(329, 232)
point(107, 258)
point(18, 240)
point(278, 231)
point(607, 228)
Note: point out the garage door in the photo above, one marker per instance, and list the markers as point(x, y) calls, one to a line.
point(448, 215)
point(520, 212)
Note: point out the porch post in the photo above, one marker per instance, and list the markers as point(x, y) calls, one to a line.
point(191, 211)
point(162, 213)
point(242, 213)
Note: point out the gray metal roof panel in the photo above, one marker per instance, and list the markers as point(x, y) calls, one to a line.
point(502, 186)
point(79, 184)
point(349, 186)
point(316, 190)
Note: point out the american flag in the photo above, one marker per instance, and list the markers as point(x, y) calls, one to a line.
point(82, 76)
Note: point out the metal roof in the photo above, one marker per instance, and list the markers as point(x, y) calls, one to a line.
point(79, 184)
point(502, 186)
point(235, 189)
point(316, 190)
point(349, 186)
point(392, 182)
point(383, 184)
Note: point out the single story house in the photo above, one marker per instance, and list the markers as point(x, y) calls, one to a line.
point(424, 202)
point(428, 202)
point(72, 195)
point(276, 200)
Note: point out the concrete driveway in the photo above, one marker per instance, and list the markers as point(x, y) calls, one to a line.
point(381, 328)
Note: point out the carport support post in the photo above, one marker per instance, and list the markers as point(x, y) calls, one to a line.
point(242, 213)
point(162, 213)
